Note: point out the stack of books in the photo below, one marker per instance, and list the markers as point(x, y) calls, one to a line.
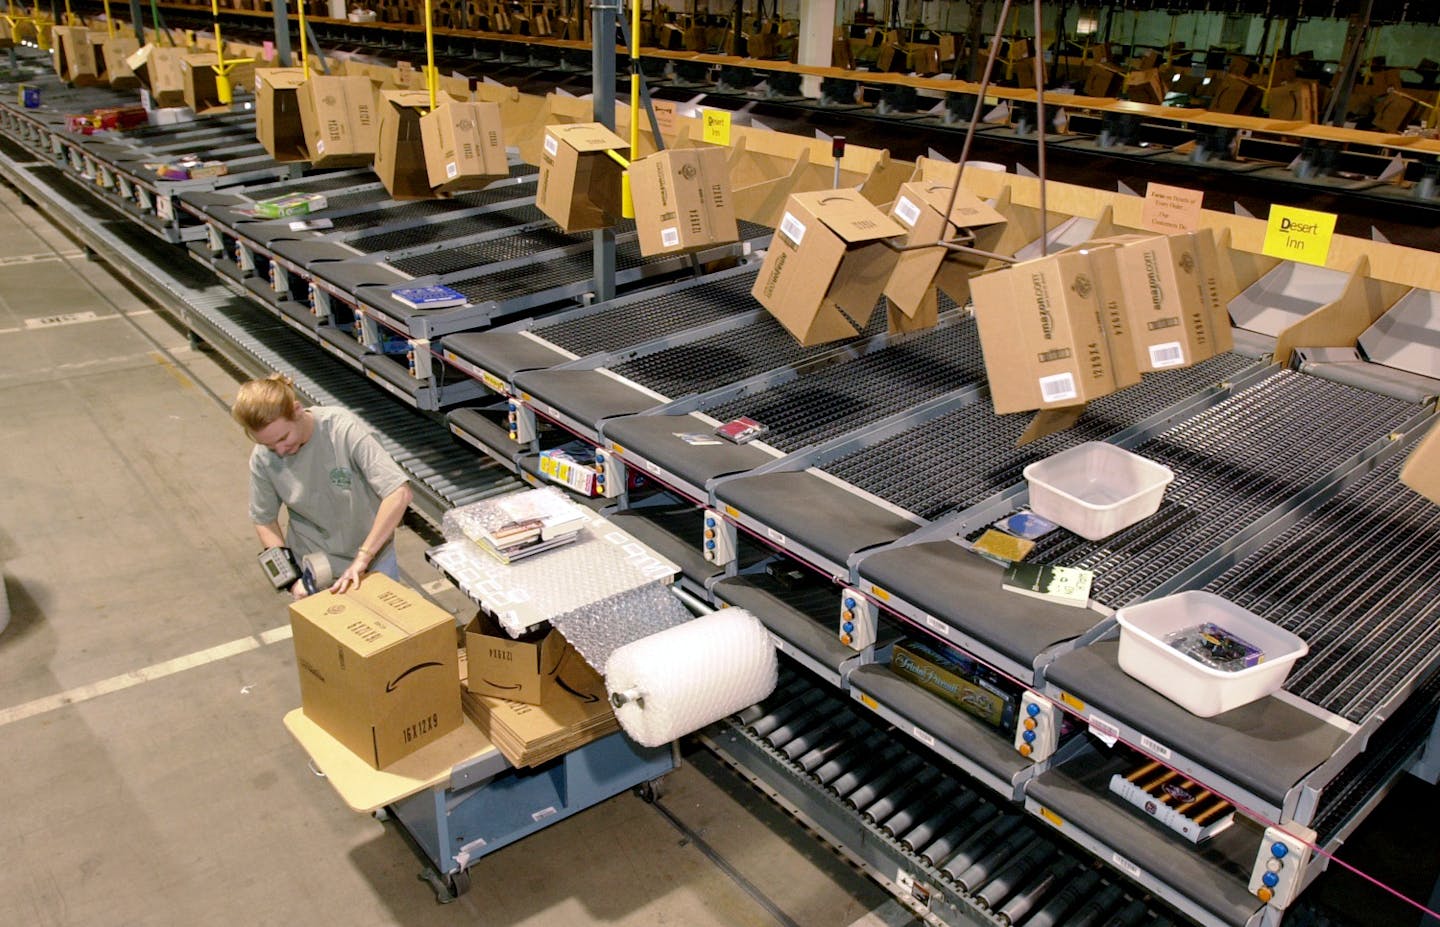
point(523, 524)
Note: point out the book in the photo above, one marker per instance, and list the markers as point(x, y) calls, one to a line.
point(1058, 584)
point(519, 550)
point(429, 297)
point(1002, 547)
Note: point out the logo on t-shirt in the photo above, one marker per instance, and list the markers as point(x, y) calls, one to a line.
point(340, 478)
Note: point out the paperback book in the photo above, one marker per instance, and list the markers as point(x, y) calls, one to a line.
point(1059, 584)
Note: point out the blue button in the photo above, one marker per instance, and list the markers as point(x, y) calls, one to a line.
point(1270, 879)
point(1028, 737)
point(1278, 850)
point(848, 626)
point(709, 522)
point(849, 602)
point(1032, 709)
point(709, 545)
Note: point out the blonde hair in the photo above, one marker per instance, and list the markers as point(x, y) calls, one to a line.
point(260, 402)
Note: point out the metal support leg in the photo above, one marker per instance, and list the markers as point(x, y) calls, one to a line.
point(137, 20)
point(603, 87)
point(282, 33)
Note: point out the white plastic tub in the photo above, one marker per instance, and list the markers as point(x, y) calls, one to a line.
point(1203, 690)
point(1096, 489)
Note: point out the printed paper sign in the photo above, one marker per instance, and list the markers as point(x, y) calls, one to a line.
point(1302, 235)
point(717, 127)
point(665, 115)
point(1171, 209)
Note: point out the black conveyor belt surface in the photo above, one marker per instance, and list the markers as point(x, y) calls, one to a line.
point(512, 247)
point(322, 183)
point(1232, 462)
point(727, 357)
point(653, 317)
point(421, 209)
point(982, 444)
point(569, 268)
point(1356, 580)
point(814, 408)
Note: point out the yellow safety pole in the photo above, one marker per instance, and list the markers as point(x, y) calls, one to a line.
point(223, 91)
point(304, 46)
point(109, 23)
point(1270, 79)
point(431, 80)
point(627, 201)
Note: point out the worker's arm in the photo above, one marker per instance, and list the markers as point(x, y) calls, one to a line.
point(270, 536)
point(387, 519)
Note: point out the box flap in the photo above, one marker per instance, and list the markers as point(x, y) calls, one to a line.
point(849, 215)
point(279, 78)
point(413, 98)
point(969, 210)
point(350, 622)
point(1422, 469)
point(399, 605)
point(587, 136)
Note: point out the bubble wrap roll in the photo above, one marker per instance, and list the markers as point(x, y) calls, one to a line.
point(690, 675)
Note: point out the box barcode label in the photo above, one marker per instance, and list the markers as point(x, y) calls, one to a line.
point(670, 237)
point(452, 170)
point(792, 228)
point(1155, 747)
point(551, 146)
point(320, 145)
point(1058, 387)
point(1168, 354)
point(907, 211)
point(1125, 866)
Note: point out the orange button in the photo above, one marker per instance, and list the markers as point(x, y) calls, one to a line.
point(1029, 724)
point(1264, 894)
point(1025, 750)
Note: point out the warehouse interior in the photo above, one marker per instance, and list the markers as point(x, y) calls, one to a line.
point(790, 679)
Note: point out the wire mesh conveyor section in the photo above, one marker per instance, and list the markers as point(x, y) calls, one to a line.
point(1232, 462)
point(841, 397)
point(727, 357)
point(1393, 745)
point(420, 209)
point(565, 270)
point(990, 856)
point(451, 473)
point(321, 184)
point(1359, 580)
point(510, 248)
point(430, 233)
point(654, 317)
point(983, 444)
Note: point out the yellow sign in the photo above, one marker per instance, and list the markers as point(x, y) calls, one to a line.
point(1299, 234)
point(1171, 209)
point(717, 127)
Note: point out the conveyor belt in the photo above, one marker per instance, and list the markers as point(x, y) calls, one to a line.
point(419, 209)
point(1232, 463)
point(322, 183)
point(1393, 744)
point(655, 317)
point(988, 853)
point(727, 357)
point(442, 231)
point(980, 445)
point(510, 248)
point(835, 400)
point(1357, 580)
point(570, 268)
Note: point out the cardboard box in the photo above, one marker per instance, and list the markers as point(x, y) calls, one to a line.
point(1236, 96)
point(1217, 288)
point(827, 265)
point(1144, 87)
point(159, 72)
point(1170, 317)
point(1101, 80)
point(464, 146)
point(682, 200)
point(503, 667)
point(1114, 313)
point(1422, 468)
point(340, 120)
point(202, 91)
point(79, 55)
point(378, 668)
point(277, 113)
point(579, 183)
point(919, 206)
point(399, 149)
point(117, 51)
point(1042, 334)
point(1393, 112)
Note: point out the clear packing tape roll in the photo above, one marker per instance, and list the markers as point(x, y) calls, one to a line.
point(675, 682)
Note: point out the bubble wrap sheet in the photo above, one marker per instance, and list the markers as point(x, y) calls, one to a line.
point(602, 591)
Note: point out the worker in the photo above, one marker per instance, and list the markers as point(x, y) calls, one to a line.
point(345, 495)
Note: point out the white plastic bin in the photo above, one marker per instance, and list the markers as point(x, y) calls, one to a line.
point(1095, 489)
point(1200, 689)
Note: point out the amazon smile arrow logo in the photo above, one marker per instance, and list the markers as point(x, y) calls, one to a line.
point(390, 686)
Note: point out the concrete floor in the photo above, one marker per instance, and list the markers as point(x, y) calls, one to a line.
point(146, 776)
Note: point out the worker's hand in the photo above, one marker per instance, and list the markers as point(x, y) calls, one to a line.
point(297, 591)
point(350, 579)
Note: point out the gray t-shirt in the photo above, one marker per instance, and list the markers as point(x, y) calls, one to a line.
point(332, 487)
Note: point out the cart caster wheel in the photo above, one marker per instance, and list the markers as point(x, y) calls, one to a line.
point(649, 792)
point(458, 883)
point(380, 814)
point(446, 887)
